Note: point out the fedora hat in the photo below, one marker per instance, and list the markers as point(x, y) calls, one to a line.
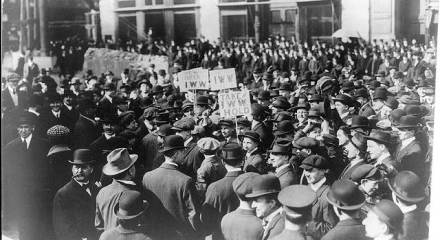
point(82, 156)
point(173, 142)
point(379, 136)
point(408, 122)
point(345, 194)
point(282, 146)
point(264, 185)
point(202, 100)
point(118, 161)
point(360, 122)
point(407, 186)
point(343, 98)
point(284, 127)
point(227, 123)
point(130, 205)
point(388, 212)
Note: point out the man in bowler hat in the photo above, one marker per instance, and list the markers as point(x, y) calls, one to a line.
point(279, 159)
point(74, 203)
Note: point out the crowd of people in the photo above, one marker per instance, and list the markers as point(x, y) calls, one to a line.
point(337, 146)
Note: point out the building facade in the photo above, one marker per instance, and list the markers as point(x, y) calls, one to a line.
point(303, 20)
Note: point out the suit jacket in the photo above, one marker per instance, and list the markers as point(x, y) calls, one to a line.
point(106, 201)
point(348, 229)
point(323, 217)
point(72, 116)
point(192, 160)
point(412, 158)
point(288, 176)
point(265, 133)
point(48, 120)
point(84, 132)
point(74, 212)
point(414, 225)
point(274, 227)
point(348, 170)
point(241, 224)
point(220, 200)
point(7, 101)
point(177, 193)
point(105, 109)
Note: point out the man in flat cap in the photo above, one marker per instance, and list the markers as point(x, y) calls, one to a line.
point(192, 158)
point(176, 191)
point(26, 181)
point(242, 223)
point(347, 201)
point(227, 128)
point(323, 217)
point(297, 201)
point(220, 198)
point(265, 189)
point(74, 203)
point(407, 192)
point(211, 169)
point(379, 147)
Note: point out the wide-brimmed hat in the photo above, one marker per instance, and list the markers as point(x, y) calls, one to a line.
point(360, 122)
point(227, 123)
point(407, 186)
point(118, 161)
point(208, 144)
point(345, 194)
point(82, 156)
point(343, 98)
point(408, 122)
point(389, 213)
point(284, 127)
point(379, 136)
point(264, 185)
point(173, 142)
point(130, 205)
point(282, 146)
point(314, 161)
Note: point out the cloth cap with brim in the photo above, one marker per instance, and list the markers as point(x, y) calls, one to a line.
point(82, 156)
point(345, 194)
point(242, 185)
point(305, 142)
point(330, 139)
point(316, 98)
point(409, 100)
point(208, 144)
point(251, 135)
point(173, 142)
point(227, 123)
point(264, 185)
point(118, 161)
point(389, 213)
point(130, 205)
point(297, 197)
point(365, 171)
point(157, 89)
point(408, 122)
point(58, 131)
point(184, 124)
point(314, 161)
point(407, 186)
point(282, 146)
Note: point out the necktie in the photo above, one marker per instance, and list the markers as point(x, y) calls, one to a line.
point(86, 187)
point(24, 144)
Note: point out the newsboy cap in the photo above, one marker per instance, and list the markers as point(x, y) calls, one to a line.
point(208, 144)
point(314, 161)
point(184, 124)
point(264, 185)
point(242, 185)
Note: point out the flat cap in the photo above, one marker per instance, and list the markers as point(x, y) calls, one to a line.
point(208, 144)
point(297, 197)
point(314, 161)
point(184, 124)
point(242, 184)
point(58, 131)
point(227, 123)
point(306, 142)
point(365, 171)
point(264, 185)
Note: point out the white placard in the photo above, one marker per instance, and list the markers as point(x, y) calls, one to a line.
point(222, 79)
point(193, 79)
point(232, 104)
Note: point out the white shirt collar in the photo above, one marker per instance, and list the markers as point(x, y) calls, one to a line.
point(278, 169)
point(382, 157)
point(34, 112)
point(11, 90)
point(129, 182)
point(187, 141)
point(254, 123)
point(56, 114)
point(317, 185)
point(28, 140)
point(406, 142)
point(109, 136)
point(385, 237)
point(407, 209)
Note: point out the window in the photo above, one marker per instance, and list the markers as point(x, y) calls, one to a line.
point(153, 2)
point(290, 15)
point(176, 2)
point(126, 3)
point(276, 16)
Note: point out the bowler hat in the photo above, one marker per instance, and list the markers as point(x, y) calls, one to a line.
point(26, 118)
point(391, 102)
point(360, 122)
point(187, 105)
point(244, 122)
point(345, 194)
point(282, 146)
point(184, 124)
point(297, 197)
point(330, 139)
point(259, 110)
point(202, 100)
point(263, 95)
point(408, 122)
point(379, 136)
point(281, 116)
point(407, 186)
point(118, 161)
point(389, 213)
point(157, 89)
point(173, 142)
point(232, 152)
point(130, 205)
point(380, 93)
point(252, 135)
point(314, 161)
point(281, 103)
point(82, 156)
point(242, 185)
point(284, 127)
point(264, 185)
point(343, 98)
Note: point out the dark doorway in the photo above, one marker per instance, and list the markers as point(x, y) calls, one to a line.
point(184, 27)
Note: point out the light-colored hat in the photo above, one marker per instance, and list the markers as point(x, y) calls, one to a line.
point(118, 161)
point(208, 144)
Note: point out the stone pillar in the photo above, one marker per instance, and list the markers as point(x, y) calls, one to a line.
point(42, 14)
point(257, 23)
point(140, 25)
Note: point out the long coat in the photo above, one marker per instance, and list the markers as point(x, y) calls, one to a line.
point(192, 160)
point(220, 200)
point(274, 227)
point(26, 182)
point(48, 120)
point(255, 163)
point(74, 212)
point(347, 230)
point(412, 158)
point(106, 201)
point(241, 224)
point(265, 134)
point(414, 226)
point(177, 193)
point(84, 132)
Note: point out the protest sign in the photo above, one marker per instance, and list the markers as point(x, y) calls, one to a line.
point(222, 79)
point(232, 104)
point(193, 79)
